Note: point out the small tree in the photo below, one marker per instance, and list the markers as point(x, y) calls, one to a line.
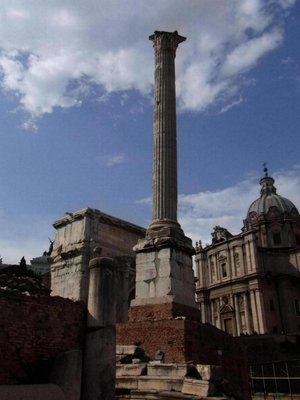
point(23, 264)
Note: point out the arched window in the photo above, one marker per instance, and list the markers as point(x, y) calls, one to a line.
point(276, 238)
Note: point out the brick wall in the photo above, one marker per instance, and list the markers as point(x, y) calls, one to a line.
point(186, 340)
point(149, 312)
point(33, 330)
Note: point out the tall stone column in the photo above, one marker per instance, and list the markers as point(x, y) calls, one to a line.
point(164, 270)
point(164, 180)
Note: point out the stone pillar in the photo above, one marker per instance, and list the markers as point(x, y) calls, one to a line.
point(212, 311)
point(164, 183)
point(254, 311)
point(237, 315)
point(260, 312)
point(100, 347)
point(202, 305)
point(247, 316)
point(218, 322)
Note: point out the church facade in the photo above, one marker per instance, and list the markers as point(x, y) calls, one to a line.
point(250, 283)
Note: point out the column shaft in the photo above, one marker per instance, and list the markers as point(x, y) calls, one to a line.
point(164, 181)
point(260, 312)
point(237, 315)
point(254, 311)
point(247, 316)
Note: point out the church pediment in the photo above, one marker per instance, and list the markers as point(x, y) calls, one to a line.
point(226, 308)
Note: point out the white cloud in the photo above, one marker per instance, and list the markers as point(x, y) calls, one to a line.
point(200, 212)
point(113, 159)
point(246, 55)
point(48, 48)
point(233, 104)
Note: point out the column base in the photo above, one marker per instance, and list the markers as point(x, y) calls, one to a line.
point(164, 272)
point(163, 235)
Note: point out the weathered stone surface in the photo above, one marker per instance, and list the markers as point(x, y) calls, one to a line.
point(198, 387)
point(66, 373)
point(159, 383)
point(102, 292)
point(210, 372)
point(100, 346)
point(130, 370)
point(78, 236)
point(164, 275)
point(124, 350)
point(169, 370)
point(127, 382)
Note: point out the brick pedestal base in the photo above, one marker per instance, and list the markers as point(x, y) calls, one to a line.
point(184, 340)
point(154, 312)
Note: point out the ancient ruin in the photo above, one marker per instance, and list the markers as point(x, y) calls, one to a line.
point(163, 348)
point(163, 351)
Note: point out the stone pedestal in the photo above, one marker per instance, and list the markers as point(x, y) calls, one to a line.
point(164, 271)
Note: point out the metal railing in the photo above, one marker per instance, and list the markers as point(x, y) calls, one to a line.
point(280, 377)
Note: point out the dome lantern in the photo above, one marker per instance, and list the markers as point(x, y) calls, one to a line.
point(269, 201)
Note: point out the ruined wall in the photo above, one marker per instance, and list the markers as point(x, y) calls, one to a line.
point(183, 340)
point(78, 236)
point(33, 331)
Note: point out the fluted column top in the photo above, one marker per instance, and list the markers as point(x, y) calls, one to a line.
point(166, 40)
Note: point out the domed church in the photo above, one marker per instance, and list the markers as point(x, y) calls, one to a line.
point(250, 283)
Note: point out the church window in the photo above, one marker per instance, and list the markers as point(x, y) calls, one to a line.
point(297, 307)
point(224, 270)
point(276, 238)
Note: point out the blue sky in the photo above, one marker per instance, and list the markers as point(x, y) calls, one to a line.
point(76, 82)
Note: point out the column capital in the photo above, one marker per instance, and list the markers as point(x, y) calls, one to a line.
point(166, 40)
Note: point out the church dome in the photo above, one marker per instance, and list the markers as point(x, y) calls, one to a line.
point(270, 200)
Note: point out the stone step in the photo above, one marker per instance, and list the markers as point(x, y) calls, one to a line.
point(127, 382)
point(130, 370)
point(159, 383)
point(165, 395)
point(149, 383)
point(171, 370)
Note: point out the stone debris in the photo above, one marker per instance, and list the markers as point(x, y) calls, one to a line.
point(158, 380)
